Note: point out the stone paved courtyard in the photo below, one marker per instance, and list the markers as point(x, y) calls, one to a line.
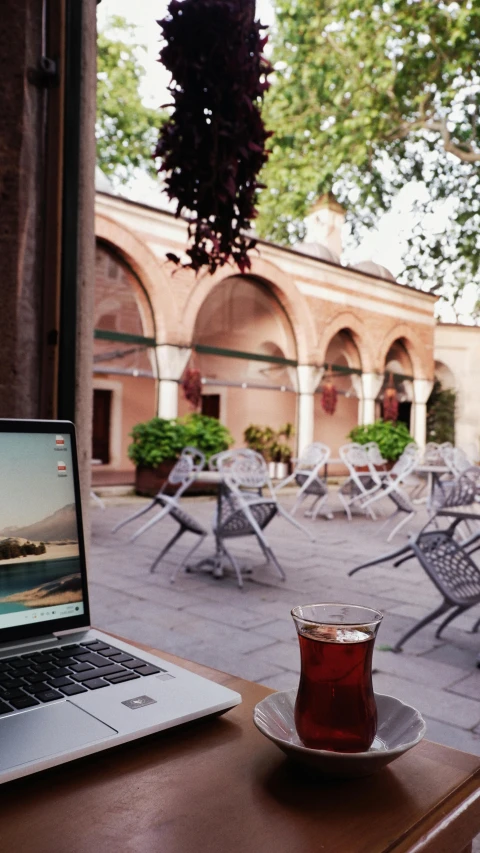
point(250, 632)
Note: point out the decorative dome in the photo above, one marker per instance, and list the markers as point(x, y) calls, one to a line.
point(318, 250)
point(372, 268)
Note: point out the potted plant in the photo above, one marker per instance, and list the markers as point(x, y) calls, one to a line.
point(281, 450)
point(261, 439)
point(391, 437)
point(267, 441)
point(158, 443)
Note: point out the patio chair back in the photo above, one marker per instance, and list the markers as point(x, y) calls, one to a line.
point(314, 455)
point(244, 468)
point(225, 458)
point(453, 572)
point(450, 568)
point(432, 454)
point(461, 491)
point(360, 468)
point(306, 475)
point(456, 459)
point(374, 455)
point(360, 484)
point(406, 462)
point(191, 461)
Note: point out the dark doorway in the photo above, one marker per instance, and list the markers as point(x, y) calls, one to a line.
point(404, 411)
point(211, 405)
point(102, 404)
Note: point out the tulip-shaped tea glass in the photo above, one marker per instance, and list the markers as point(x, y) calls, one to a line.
point(335, 707)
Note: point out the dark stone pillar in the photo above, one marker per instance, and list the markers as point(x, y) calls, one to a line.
point(21, 201)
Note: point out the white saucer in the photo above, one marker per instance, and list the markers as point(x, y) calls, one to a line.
point(399, 728)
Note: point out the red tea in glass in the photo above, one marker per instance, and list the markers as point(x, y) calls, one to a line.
point(335, 707)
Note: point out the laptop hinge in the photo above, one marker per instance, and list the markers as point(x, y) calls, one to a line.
point(35, 642)
point(69, 631)
point(32, 642)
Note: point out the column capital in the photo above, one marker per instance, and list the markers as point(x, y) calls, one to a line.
point(371, 384)
point(172, 361)
point(309, 377)
point(422, 388)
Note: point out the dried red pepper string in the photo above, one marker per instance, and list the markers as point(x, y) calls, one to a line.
point(192, 386)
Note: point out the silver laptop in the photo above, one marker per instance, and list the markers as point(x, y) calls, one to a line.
point(66, 690)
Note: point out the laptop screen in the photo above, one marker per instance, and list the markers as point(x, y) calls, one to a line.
point(42, 577)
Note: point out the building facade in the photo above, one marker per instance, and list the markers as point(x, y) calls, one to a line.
point(265, 343)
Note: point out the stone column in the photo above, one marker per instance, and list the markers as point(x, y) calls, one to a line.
point(371, 384)
point(422, 389)
point(172, 361)
point(357, 385)
point(308, 378)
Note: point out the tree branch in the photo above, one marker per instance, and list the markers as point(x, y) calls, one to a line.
point(464, 153)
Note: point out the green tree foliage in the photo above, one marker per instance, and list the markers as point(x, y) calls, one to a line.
point(441, 414)
point(11, 549)
point(126, 130)
point(366, 98)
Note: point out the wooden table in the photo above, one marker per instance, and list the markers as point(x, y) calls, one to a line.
point(218, 786)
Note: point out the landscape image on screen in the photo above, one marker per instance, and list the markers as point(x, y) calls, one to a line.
point(39, 552)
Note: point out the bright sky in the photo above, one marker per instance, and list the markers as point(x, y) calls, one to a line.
point(384, 245)
point(30, 487)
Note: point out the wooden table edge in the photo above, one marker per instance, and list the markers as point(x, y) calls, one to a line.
point(445, 825)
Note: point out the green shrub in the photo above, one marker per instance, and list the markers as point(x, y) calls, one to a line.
point(392, 438)
point(441, 414)
point(207, 434)
point(161, 440)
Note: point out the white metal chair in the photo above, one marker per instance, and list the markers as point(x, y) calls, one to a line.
point(306, 475)
point(456, 459)
point(374, 455)
point(391, 487)
point(249, 470)
point(360, 484)
point(461, 492)
point(241, 508)
point(181, 476)
point(246, 505)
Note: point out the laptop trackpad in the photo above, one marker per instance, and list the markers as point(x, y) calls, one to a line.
point(49, 730)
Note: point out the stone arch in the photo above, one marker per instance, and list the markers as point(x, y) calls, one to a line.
point(445, 375)
point(420, 357)
point(146, 267)
point(355, 326)
point(281, 286)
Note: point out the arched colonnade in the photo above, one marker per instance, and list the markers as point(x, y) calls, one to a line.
point(262, 354)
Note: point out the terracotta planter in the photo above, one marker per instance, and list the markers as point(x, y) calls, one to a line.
point(149, 481)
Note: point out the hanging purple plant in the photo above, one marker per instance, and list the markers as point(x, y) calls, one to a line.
point(213, 145)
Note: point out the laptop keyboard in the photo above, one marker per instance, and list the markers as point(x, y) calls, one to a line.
point(40, 677)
